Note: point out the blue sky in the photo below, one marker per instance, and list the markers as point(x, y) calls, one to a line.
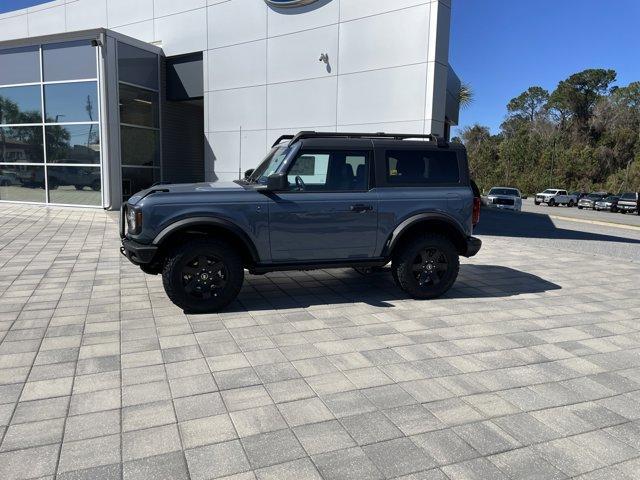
point(8, 5)
point(502, 47)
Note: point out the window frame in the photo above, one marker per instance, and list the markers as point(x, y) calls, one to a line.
point(382, 179)
point(370, 159)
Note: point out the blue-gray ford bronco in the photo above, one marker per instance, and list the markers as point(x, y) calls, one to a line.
point(317, 201)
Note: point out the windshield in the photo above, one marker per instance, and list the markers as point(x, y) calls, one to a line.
point(269, 165)
point(629, 196)
point(595, 196)
point(611, 199)
point(550, 191)
point(504, 191)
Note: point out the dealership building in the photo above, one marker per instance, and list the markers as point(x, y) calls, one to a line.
point(102, 98)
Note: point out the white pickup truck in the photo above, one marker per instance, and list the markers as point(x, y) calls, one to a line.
point(554, 197)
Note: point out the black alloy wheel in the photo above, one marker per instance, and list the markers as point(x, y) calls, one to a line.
point(203, 276)
point(427, 266)
point(430, 267)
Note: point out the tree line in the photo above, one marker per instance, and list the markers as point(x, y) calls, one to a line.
point(583, 136)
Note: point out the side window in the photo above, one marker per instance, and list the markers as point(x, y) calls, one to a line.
point(422, 167)
point(329, 171)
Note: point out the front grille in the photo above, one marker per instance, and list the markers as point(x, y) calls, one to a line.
point(502, 201)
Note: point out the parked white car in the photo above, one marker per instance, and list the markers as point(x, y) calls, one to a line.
point(554, 197)
point(505, 197)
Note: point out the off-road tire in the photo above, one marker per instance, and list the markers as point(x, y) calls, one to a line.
point(179, 259)
point(403, 264)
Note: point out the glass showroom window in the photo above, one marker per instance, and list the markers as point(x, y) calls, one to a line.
point(49, 124)
point(140, 152)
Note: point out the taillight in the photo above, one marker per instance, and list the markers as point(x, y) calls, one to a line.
point(476, 210)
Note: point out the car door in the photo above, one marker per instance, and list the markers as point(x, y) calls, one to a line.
point(329, 211)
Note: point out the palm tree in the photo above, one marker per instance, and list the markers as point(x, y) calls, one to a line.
point(465, 95)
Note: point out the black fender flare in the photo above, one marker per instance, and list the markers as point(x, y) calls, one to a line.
point(209, 221)
point(413, 220)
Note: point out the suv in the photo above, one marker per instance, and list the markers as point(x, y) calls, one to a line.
point(318, 200)
point(629, 202)
point(554, 197)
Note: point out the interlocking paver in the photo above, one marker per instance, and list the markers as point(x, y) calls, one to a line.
point(266, 449)
point(524, 368)
point(206, 430)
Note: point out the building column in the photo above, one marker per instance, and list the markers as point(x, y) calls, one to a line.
point(437, 67)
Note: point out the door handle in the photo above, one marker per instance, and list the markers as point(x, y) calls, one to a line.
point(360, 208)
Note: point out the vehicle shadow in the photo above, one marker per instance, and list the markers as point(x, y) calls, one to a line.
point(331, 288)
point(503, 223)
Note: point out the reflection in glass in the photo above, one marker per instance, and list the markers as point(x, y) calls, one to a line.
point(137, 66)
point(73, 143)
point(19, 65)
point(21, 144)
point(140, 146)
point(22, 183)
point(68, 61)
point(71, 102)
point(136, 179)
point(20, 105)
point(74, 185)
point(138, 106)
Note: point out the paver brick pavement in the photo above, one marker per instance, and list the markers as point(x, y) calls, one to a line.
point(527, 366)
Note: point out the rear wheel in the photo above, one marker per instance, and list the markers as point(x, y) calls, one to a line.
point(536, 203)
point(203, 276)
point(427, 266)
point(571, 203)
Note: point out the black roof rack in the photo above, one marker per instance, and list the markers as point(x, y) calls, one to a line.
point(281, 138)
point(441, 142)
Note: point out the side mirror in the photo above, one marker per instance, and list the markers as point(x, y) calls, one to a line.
point(277, 182)
point(248, 173)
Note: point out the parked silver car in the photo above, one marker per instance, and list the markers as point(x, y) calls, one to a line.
point(609, 204)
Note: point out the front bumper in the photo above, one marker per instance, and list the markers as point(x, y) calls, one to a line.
point(138, 253)
point(586, 204)
point(473, 247)
point(627, 208)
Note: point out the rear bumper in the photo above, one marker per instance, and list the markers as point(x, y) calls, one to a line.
point(473, 247)
point(137, 253)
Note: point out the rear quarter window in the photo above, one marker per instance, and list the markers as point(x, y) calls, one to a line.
point(422, 167)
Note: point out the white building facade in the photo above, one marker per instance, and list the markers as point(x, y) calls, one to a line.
point(230, 76)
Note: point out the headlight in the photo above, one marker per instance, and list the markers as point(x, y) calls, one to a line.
point(134, 221)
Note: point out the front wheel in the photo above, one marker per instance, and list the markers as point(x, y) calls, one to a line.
point(203, 276)
point(551, 203)
point(426, 267)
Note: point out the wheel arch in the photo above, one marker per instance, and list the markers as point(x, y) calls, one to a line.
point(427, 222)
point(176, 233)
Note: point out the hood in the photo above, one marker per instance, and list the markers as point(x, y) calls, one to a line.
point(186, 188)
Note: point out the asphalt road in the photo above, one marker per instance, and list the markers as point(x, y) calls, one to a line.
point(571, 233)
point(529, 206)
